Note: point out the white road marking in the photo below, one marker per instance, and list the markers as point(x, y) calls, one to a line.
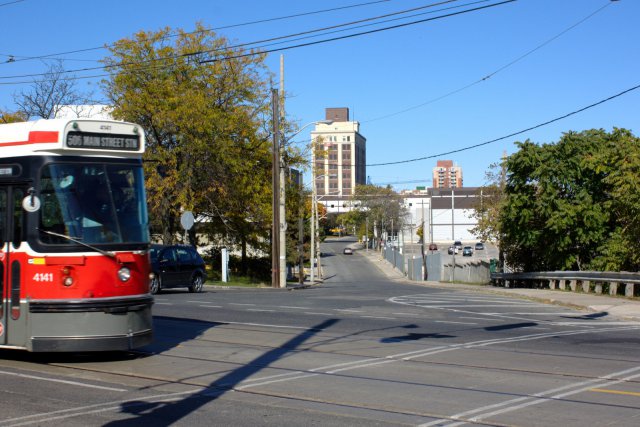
point(399, 357)
point(534, 399)
point(601, 323)
point(54, 380)
point(469, 305)
point(47, 417)
point(457, 323)
point(210, 306)
point(378, 317)
point(480, 318)
point(260, 310)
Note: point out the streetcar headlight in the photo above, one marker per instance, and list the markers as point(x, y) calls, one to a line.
point(67, 281)
point(124, 274)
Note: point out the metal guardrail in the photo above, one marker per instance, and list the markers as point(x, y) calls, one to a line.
point(592, 276)
point(612, 283)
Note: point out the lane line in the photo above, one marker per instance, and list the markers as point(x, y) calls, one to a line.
point(534, 399)
point(54, 380)
point(457, 323)
point(378, 317)
point(626, 393)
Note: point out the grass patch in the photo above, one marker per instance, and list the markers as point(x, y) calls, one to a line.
point(243, 282)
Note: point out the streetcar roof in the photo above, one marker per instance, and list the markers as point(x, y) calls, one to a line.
point(71, 136)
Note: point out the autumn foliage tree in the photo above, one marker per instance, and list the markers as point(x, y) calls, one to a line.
point(204, 107)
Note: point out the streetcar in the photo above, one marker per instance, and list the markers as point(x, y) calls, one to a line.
point(74, 249)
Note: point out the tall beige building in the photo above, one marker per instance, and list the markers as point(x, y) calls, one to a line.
point(447, 175)
point(340, 156)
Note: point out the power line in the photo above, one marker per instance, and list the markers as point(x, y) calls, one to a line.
point(511, 134)
point(261, 21)
point(488, 76)
point(11, 2)
point(262, 52)
point(393, 27)
point(247, 44)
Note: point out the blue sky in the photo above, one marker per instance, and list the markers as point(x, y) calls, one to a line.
point(417, 90)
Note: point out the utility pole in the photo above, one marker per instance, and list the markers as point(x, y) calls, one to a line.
point(424, 236)
point(275, 175)
point(313, 224)
point(283, 188)
point(366, 233)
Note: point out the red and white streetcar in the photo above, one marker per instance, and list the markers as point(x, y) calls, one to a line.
point(74, 236)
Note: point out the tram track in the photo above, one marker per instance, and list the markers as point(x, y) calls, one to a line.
point(346, 373)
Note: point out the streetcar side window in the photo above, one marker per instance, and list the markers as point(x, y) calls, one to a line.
point(18, 217)
point(3, 216)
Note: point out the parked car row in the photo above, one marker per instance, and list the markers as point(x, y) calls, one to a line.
point(466, 250)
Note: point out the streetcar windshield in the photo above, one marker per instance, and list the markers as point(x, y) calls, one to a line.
point(93, 203)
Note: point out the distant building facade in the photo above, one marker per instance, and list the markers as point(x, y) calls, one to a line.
point(447, 175)
point(342, 164)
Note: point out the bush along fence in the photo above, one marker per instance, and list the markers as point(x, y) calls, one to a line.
point(612, 283)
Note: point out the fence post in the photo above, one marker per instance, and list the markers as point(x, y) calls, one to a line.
point(573, 285)
point(628, 290)
point(613, 288)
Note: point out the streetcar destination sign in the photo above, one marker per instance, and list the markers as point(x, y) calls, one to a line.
point(103, 141)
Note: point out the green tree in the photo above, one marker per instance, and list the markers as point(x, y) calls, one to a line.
point(382, 206)
point(562, 210)
point(619, 162)
point(204, 107)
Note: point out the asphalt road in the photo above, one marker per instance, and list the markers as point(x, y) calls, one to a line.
point(361, 349)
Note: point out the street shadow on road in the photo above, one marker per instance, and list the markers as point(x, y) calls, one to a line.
point(591, 316)
point(510, 326)
point(413, 336)
point(167, 413)
point(169, 332)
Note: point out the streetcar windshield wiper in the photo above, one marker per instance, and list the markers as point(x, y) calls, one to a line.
point(64, 236)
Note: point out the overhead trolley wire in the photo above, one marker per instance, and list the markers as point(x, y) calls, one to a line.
point(262, 52)
point(17, 58)
point(631, 89)
point(493, 73)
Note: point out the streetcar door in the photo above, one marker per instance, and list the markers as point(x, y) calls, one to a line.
point(12, 233)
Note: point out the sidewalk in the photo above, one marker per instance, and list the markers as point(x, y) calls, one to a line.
point(604, 305)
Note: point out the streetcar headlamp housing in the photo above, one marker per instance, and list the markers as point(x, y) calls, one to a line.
point(124, 274)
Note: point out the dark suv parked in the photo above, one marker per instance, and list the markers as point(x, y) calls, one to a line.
point(176, 266)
